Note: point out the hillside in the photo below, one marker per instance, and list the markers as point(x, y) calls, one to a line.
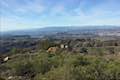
point(66, 55)
point(60, 66)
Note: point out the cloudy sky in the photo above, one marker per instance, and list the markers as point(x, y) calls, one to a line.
point(27, 14)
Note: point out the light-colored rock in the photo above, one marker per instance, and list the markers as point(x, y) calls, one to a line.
point(66, 46)
point(10, 78)
point(6, 59)
point(52, 49)
point(118, 53)
point(62, 46)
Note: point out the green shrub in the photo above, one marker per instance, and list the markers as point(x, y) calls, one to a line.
point(64, 66)
point(2, 78)
point(26, 70)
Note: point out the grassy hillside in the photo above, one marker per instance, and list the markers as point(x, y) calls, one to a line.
point(60, 66)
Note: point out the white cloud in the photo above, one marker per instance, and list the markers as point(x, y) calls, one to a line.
point(21, 15)
point(28, 7)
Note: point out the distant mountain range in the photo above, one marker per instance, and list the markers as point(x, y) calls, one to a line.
point(58, 29)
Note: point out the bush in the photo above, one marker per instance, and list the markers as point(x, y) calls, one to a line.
point(2, 78)
point(26, 70)
point(45, 66)
point(83, 50)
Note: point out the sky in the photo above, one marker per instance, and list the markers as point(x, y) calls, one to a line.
point(28, 14)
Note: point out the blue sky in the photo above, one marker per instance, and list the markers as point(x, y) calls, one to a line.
point(27, 14)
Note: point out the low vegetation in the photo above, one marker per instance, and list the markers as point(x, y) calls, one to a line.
point(62, 66)
point(50, 58)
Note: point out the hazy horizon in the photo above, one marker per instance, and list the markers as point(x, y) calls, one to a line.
point(32, 14)
point(67, 27)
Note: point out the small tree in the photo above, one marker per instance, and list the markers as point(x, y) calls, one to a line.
point(14, 50)
point(84, 50)
point(111, 50)
point(26, 70)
